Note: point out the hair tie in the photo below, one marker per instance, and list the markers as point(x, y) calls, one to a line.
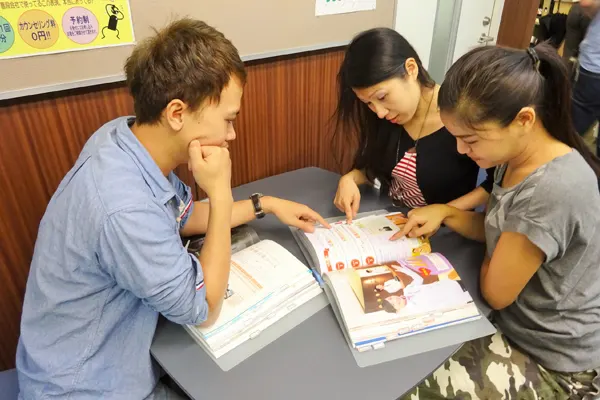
point(535, 59)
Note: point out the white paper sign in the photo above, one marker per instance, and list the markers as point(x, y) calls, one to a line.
point(329, 7)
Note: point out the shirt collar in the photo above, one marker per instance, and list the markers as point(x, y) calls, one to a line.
point(156, 181)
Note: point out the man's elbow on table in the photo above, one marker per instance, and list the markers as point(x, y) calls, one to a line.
point(214, 304)
point(188, 307)
point(213, 313)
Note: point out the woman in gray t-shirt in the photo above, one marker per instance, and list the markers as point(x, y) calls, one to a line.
point(511, 109)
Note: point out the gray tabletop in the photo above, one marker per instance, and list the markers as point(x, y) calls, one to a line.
point(313, 360)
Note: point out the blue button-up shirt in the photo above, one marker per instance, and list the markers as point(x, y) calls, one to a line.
point(108, 259)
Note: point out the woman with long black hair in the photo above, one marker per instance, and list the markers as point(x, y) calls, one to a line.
point(389, 100)
point(511, 109)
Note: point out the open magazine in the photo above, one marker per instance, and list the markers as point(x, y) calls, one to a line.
point(385, 290)
point(266, 282)
point(364, 242)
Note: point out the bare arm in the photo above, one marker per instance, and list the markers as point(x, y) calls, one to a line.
point(215, 255)
point(242, 212)
point(427, 220)
point(514, 261)
point(469, 224)
point(470, 201)
point(347, 196)
point(211, 166)
point(358, 176)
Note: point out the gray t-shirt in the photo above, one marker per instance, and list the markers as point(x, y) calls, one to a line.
point(556, 318)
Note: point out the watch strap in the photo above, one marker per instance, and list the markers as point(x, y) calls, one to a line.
point(258, 210)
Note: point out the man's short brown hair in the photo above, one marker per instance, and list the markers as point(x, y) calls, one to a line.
point(188, 60)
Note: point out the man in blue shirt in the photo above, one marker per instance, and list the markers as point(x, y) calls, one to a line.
point(586, 93)
point(577, 24)
point(108, 258)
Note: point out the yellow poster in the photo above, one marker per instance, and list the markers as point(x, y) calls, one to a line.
point(32, 27)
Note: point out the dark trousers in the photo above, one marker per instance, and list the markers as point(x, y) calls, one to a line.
point(586, 102)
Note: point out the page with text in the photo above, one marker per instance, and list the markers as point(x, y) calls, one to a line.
point(363, 242)
point(257, 274)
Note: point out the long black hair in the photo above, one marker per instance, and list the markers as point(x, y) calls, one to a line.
point(372, 57)
point(494, 83)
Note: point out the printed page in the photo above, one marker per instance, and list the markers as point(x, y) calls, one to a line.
point(334, 247)
point(247, 323)
point(281, 311)
point(257, 274)
point(366, 241)
point(378, 230)
point(409, 295)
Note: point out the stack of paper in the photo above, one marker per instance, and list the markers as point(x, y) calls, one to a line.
point(266, 283)
point(387, 302)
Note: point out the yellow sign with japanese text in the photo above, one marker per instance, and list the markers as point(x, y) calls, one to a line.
point(32, 27)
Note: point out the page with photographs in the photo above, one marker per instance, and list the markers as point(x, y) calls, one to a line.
point(363, 242)
point(397, 298)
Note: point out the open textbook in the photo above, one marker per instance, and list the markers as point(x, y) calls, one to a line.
point(266, 283)
point(385, 290)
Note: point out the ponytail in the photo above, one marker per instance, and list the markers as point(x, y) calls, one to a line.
point(494, 83)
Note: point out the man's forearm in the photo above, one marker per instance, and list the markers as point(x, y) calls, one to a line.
point(215, 256)
point(242, 212)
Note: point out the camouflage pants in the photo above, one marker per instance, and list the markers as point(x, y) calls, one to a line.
point(490, 368)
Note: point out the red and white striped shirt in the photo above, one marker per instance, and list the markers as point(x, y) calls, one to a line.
point(404, 185)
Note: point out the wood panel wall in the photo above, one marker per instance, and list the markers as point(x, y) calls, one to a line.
point(283, 125)
point(516, 26)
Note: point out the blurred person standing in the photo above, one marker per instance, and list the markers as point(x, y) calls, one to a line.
point(586, 93)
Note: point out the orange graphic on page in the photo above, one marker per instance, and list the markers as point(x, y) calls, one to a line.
point(397, 219)
point(424, 248)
